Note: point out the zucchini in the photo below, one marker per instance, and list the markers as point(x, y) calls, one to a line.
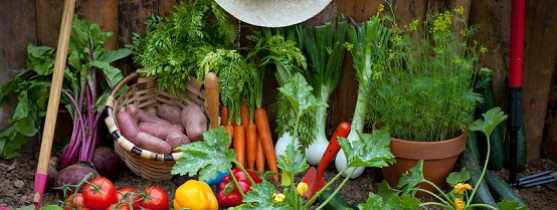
point(500, 189)
point(484, 86)
point(470, 162)
point(521, 152)
point(472, 139)
point(335, 203)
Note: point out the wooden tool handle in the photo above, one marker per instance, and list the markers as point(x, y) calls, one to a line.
point(55, 88)
point(212, 99)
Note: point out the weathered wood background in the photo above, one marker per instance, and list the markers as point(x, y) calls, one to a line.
point(37, 22)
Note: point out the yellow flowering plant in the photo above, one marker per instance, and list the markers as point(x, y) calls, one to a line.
point(422, 83)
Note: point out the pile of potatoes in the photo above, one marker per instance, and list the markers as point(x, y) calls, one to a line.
point(163, 128)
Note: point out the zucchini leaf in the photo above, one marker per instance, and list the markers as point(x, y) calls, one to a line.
point(207, 157)
point(261, 196)
point(458, 177)
point(298, 93)
point(410, 179)
point(369, 150)
point(510, 205)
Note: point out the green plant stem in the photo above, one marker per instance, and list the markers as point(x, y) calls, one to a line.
point(360, 111)
point(481, 205)
point(483, 171)
point(236, 183)
point(245, 172)
point(337, 190)
point(324, 187)
point(295, 134)
point(320, 121)
point(435, 204)
point(437, 188)
point(434, 195)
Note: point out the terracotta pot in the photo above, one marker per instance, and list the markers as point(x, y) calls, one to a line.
point(439, 160)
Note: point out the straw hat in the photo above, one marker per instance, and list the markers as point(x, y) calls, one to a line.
point(273, 13)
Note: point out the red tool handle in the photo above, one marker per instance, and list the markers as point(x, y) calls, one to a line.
point(342, 131)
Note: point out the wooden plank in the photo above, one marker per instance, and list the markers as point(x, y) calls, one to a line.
point(539, 63)
point(132, 15)
point(165, 6)
point(104, 13)
point(17, 19)
point(48, 17)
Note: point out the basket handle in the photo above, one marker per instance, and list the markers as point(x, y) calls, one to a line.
point(123, 82)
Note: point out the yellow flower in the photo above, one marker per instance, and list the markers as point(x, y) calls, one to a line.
point(302, 188)
point(278, 197)
point(458, 204)
point(381, 8)
point(460, 188)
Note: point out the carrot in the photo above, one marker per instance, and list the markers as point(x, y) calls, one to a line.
point(239, 144)
point(230, 129)
point(244, 115)
point(260, 162)
point(223, 115)
point(262, 123)
point(251, 144)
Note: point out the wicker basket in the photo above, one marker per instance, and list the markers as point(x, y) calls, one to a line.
point(142, 92)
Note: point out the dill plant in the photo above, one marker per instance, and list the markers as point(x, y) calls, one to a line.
point(423, 84)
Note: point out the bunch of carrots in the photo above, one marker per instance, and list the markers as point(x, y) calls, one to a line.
point(251, 137)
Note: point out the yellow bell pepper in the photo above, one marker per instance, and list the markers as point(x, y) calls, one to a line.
point(195, 195)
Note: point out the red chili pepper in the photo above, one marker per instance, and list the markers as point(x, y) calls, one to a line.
point(228, 195)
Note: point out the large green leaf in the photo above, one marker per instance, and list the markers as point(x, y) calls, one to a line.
point(409, 180)
point(373, 202)
point(385, 191)
point(261, 196)
point(113, 55)
point(458, 177)
point(292, 166)
point(403, 202)
point(491, 119)
point(510, 205)
point(113, 75)
point(369, 150)
point(298, 93)
point(207, 157)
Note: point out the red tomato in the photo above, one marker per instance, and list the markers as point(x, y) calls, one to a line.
point(99, 193)
point(74, 203)
point(125, 195)
point(156, 199)
point(116, 206)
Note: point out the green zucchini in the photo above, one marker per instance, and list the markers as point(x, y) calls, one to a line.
point(521, 146)
point(484, 86)
point(472, 139)
point(335, 203)
point(470, 162)
point(500, 189)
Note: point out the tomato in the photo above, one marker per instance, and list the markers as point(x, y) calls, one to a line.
point(125, 195)
point(156, 199)
point(99, 193)
point(74, 203)
point(116, 206)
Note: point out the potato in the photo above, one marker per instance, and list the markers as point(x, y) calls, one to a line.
point(151, 110)
point(160, 131)
point(169, 113)
point(146, 117)
point(176, 139)
point(153, 144)
point(133, 111)
point(194, 121)
point(128, 127)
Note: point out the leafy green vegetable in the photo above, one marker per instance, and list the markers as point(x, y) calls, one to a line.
point(292, 165)
point(298, 93)
point(371, 150)
point(491, 119)
point(404, 201)
point(261, 196)
point(206, 157)
point(173, 50)
point(458, 177)
point(373, 202)
point(411, 179)
point(510, 205)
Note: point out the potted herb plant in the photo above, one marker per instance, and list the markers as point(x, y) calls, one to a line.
point(422, 93)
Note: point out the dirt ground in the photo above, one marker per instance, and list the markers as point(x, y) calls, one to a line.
point(16, 182)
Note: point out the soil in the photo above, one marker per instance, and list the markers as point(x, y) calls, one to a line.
point(17, 176)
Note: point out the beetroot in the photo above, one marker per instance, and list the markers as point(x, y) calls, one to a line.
point(52, 171)
point(73, 175)
point(106, 161)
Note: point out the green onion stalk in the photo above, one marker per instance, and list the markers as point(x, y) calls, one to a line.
point(368, 40)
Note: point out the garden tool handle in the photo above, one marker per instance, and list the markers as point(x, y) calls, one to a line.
point(342, 131)
point(212, 99)
point(54, 99)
